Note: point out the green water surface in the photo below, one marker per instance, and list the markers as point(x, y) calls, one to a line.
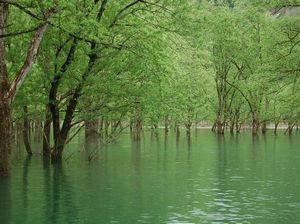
point(235, 179)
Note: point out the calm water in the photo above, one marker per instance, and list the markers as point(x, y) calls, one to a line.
point(210, 180)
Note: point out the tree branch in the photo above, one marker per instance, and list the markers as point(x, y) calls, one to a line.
point(28, 63)
point(22, 8)
point(20, 32)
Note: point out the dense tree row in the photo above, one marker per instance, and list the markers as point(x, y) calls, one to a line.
point(107, 65)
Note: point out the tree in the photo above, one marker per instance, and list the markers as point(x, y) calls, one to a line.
point(8, 91)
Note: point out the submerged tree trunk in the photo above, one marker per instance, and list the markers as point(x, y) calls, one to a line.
point(91, 130)
point(264, 128)
point(131, 126)
point(232, 125)
point(276, 127)
point(177, 132)
point(290, 129)
point(106, 127)
point(46, 132)
point(213, 128)
point(38, 131)
point(26, 130)
point(137, 130)
point(220, 127)
point(56, 155)
point(237, 121)
point(188, 129)
point(137, 122)
point(166, 125)
point(63, 132)
point(255, 124)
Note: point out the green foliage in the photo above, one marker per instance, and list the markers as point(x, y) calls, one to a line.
point(189, 61)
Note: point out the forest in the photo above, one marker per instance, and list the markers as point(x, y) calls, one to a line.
point(103, 66)
point(149, 111)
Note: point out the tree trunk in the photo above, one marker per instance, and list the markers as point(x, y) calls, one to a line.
point(232, 125)
point(106, 127)
point(166, 125)
point(37, 131)
point(56, 155)
point(5, 108)
point(91, 130)
point(8, 92)
point(255, 125)
point(276, 127)
point(26, 129)
point(137, 130)
point(131, 126)
point(188, 129)
point(237, 121)
point(46, 132)
point(5, 137)
point(220, 129)
point(290, 128)
point(213, 128)
point(177, 132)
point(264, 128)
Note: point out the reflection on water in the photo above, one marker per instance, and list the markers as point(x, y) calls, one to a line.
point(162, 179)
point(5, 201)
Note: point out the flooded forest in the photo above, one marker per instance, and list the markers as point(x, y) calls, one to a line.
point(149, 111)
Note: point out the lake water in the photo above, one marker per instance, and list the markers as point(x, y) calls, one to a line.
point(160, 180)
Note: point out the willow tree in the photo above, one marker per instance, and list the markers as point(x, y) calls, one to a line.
point(93, 36)
point(11, 15)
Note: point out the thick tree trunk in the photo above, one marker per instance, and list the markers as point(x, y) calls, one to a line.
point(59, 145)
point(5, 108)
point(5, 137)
point(56, 155)
point(26, 130)
point(220, 128)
